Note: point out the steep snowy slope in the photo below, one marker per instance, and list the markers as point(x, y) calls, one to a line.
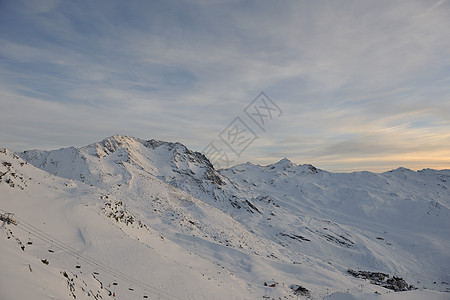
point(397, 222)
point(166, 244)
point(90, 244)
point(104, 162)
point(111, 163)
point(284, 223)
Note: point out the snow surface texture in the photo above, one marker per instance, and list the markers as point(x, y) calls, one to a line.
point(132, 219)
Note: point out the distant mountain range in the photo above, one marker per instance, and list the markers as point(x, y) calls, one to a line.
point(127, 218)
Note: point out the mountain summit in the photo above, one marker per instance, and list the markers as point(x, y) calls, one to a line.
point(102, 162)
point(242, 232)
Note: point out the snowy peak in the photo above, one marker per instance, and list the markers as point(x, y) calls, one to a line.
point(401, 170)
point(283, 163)
point(114, 143)
point(286, 165)
point(111, 161)
point(256, 222)
point(280, 168)
point(134, 146)
point(175, 152)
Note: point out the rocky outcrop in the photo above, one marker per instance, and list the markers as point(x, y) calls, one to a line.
point(395, 283)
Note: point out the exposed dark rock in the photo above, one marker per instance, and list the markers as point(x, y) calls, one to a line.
point(252, 206)
point(295, 237)
point(395, 283)
point(299, 290)
point(340, 240)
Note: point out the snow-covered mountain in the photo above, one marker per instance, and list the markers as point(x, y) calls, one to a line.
point(130, 218)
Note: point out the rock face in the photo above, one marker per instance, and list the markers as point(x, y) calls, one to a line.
point(395, 283)
point(300, 291)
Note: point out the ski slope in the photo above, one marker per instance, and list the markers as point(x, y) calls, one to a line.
point(127, 218)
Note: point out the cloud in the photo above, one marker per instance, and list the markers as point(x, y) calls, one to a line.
point(348, 74)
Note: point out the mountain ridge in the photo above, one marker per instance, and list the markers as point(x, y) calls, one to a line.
point(113, 142)
point(282, 218)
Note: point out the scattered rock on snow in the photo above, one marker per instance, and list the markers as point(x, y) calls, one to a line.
point(300, 290)
point(395, 283)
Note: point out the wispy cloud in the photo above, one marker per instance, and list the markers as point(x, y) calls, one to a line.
point(358, 81)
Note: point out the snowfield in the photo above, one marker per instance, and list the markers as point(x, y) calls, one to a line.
point(126, 218)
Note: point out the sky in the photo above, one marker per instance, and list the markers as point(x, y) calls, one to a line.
point(347, 85)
